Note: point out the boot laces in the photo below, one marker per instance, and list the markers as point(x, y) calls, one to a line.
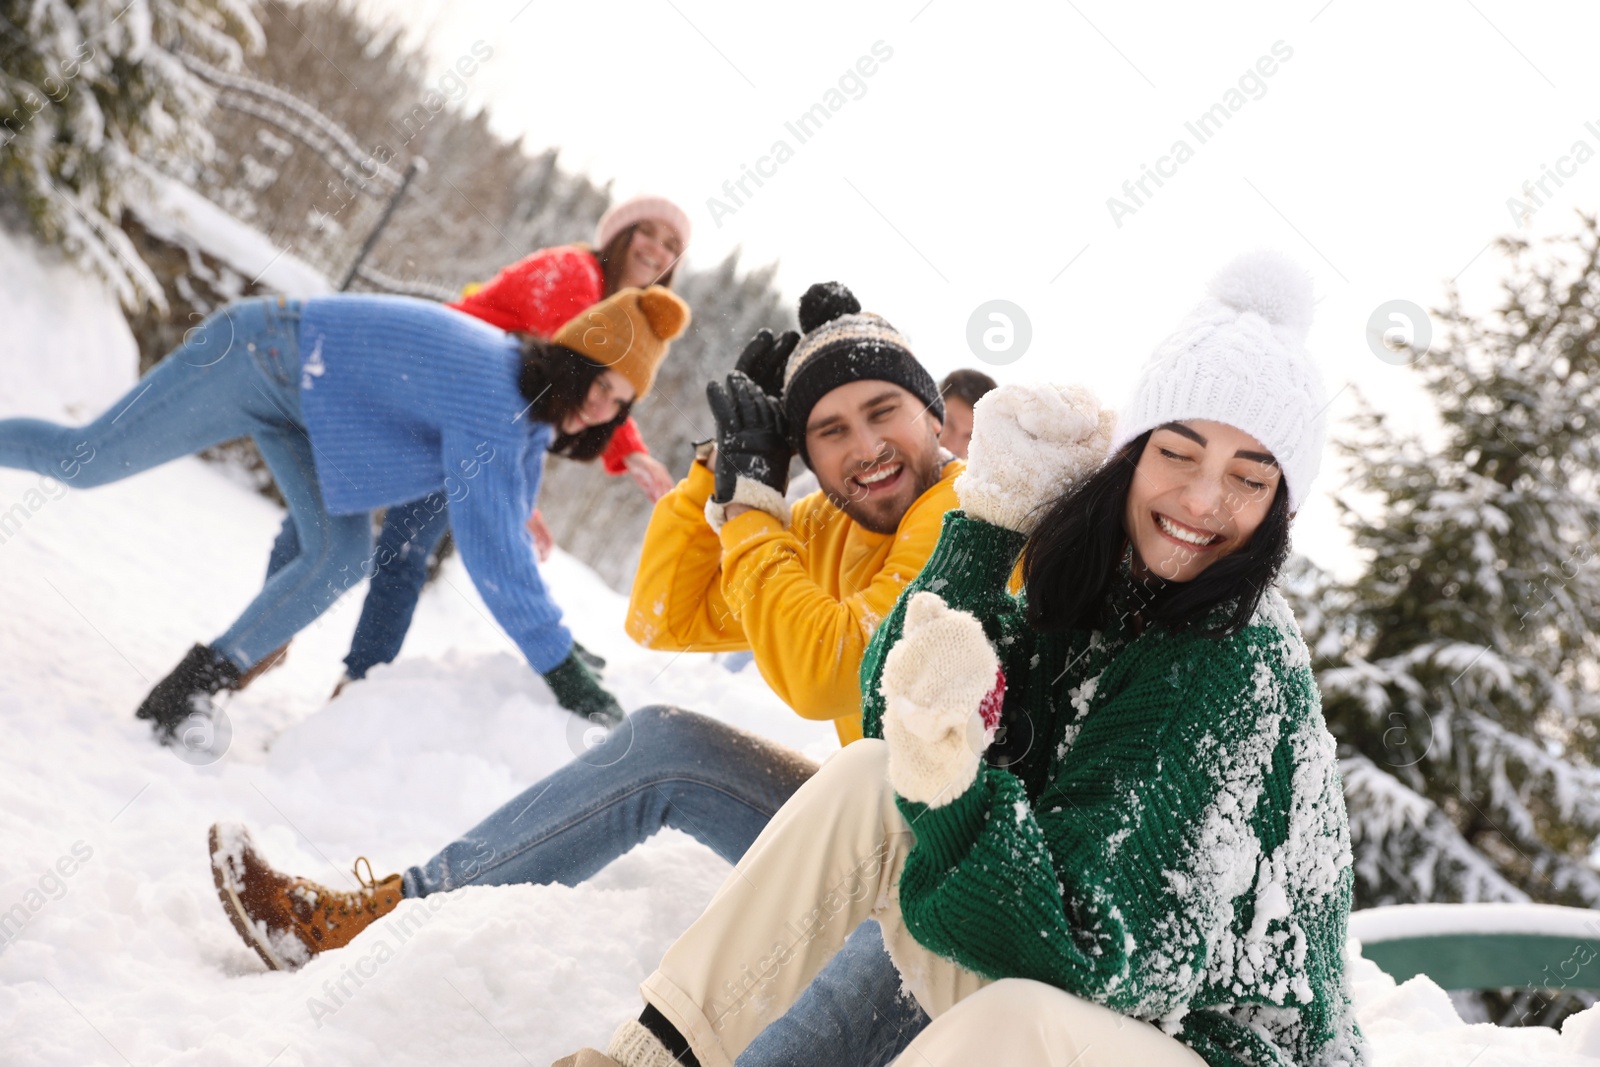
point(351, 901)
point(370, 882)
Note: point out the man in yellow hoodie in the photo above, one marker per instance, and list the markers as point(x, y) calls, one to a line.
point(726, 565)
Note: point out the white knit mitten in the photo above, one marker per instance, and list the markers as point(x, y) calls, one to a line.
point(1029, 443)
point(633, 1045)
point(942, 688)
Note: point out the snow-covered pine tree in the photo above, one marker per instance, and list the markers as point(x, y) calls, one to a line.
point(483, 202)
point(89, 91)
point(1460, 673)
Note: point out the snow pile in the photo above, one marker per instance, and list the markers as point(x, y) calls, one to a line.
point(108, 587)
point(113, 947)
point(1414, 1025)
point(178, 214)
point(68, 350)
point(1404, 921)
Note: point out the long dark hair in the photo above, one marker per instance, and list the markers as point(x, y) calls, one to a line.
point(555, 381)
point(1075, 551)
point(615, 254)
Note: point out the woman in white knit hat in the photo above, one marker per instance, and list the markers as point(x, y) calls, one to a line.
point(1100, 823)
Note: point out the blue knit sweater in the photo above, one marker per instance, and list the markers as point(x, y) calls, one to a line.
point(405, 397)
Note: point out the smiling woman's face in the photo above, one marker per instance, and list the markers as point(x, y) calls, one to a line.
point(607, 393)
point(654, 249)
point(1199, 492)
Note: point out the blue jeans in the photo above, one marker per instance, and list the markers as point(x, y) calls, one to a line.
point(661, 767)
point(410, 534)
point(855, 1013)
point(235, 375)
point(668, 767)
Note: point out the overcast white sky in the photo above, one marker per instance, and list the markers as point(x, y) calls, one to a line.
point(978, 160)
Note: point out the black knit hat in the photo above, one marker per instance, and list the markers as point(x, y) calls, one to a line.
point(844, 344)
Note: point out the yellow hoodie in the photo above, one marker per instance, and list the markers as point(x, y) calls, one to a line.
point(805, 600)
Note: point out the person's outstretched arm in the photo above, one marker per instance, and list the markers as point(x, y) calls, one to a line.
point(625, 442)
point(488, 514)
point(677, 604)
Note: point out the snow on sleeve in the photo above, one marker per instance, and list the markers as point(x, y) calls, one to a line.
point(1218, 864)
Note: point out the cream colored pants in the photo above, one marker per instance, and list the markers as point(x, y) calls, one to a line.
point(829, 860)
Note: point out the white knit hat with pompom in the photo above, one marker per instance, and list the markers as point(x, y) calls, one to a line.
point(1240, 358)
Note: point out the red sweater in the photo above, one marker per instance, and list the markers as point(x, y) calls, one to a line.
point(537, 295)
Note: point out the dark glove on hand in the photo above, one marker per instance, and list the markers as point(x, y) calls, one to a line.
point(593, 660)
point(752, 436)
point(580, 692)
point(765, 358)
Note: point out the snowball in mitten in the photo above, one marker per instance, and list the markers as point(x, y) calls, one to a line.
point(942, 688)
point(1029, 444)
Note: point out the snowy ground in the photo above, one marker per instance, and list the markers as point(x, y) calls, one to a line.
point(129, 959)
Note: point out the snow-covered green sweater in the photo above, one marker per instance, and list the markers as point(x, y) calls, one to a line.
point(1168, 837)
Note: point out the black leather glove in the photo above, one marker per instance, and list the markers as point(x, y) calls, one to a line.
point(765, 358)
point(752, 443)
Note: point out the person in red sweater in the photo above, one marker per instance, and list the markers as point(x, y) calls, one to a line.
point(637, 243)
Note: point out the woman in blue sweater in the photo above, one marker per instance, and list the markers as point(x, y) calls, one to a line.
point(357, 402)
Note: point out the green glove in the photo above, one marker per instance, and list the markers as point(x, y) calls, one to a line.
point(593, 660)
point(580, 692)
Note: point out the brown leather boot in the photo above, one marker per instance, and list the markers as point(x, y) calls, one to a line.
point(288, 920)
point(271, 661)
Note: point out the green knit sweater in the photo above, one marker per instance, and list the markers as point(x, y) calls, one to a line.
point(1171, 843)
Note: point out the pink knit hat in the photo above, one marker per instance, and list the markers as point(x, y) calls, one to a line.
point(637, 209)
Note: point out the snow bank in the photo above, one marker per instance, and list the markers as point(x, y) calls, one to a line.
point(1413, 1024)
point(182, 216)
point(113, 947)
point(1431, 920)
point(107, 588)
point(68, 351)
